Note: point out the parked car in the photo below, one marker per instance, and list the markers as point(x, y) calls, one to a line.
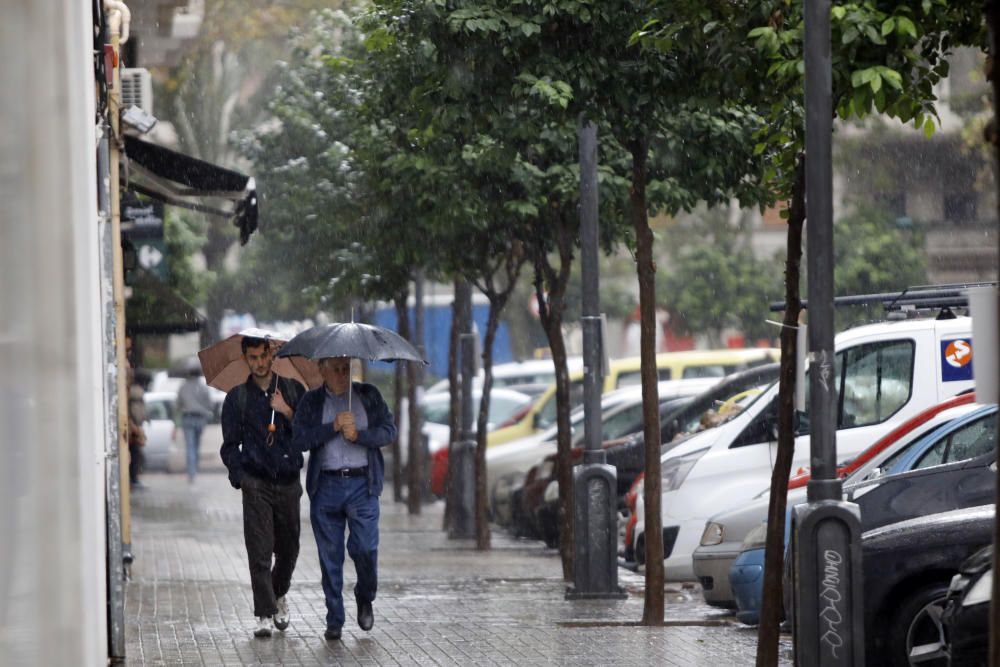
point(511, 460)
point(952, 468)
point(908, 567)
point(626, 372)
point(436, 409)
point(966, 618)
point(710, 409)
point(721, 540)
point(885, 374)
point(164, 448)
point(534, 374)
point(746, 576)
point(540, 497)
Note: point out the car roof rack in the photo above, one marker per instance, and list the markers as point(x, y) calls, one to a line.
point(918, 297)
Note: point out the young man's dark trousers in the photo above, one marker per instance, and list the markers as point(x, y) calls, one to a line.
point(270, 527)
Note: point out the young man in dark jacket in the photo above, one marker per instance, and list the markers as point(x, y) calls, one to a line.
point(344, 424)
point(257, 449)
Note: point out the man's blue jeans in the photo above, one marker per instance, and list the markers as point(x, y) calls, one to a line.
point(342, 502)
point(193, 425)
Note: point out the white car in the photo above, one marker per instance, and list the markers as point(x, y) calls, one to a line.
point(164, 448)
point(518, 456)
point(885, 373)
point(504, 403)
point(532, 373)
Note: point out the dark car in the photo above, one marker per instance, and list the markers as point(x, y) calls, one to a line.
point(927, 490)
point(966, 617)
point(538, 515)
point(907, 570)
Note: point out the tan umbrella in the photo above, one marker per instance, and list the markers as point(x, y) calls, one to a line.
point(224, 366)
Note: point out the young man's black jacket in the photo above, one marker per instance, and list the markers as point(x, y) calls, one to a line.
point(244, 435)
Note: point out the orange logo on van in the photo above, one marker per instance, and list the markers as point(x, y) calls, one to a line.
point(958, 353)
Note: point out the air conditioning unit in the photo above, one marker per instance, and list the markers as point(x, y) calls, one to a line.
point(137, 89)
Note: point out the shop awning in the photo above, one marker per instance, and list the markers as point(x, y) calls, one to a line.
point(182, 180)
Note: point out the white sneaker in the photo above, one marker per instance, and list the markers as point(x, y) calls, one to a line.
point(263, 627)
point(281, 618)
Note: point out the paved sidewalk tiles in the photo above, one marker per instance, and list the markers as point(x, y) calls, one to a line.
point(440, 602)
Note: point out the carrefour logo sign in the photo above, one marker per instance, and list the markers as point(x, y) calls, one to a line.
point(956, 359)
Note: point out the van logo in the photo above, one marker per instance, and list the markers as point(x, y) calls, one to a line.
point(956, 356)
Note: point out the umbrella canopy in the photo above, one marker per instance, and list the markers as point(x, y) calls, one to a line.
point(351, 339)
point(224, 366)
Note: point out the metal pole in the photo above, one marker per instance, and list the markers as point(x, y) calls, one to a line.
point(992, 11)
point(595, 564)
point(118, 285)
point(462, 465)
point(116, 578)
point(827, 534)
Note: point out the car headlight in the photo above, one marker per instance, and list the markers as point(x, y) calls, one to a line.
point(712, 534)
point(676, 469)
point(981, 591)
point(551, 492)
point(755, 539)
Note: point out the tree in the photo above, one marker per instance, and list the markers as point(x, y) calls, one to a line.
point(573, 58)
point(717, 283)
point(885, 59)
point(217, 89)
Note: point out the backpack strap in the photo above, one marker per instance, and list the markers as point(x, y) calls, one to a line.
point(241, 402)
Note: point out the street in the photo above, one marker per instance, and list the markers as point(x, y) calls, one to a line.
point(440, 601)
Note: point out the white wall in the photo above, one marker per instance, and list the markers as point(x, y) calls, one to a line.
point(52, 582)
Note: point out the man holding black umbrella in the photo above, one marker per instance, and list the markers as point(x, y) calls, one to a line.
point(262, 461)
point(344, 424)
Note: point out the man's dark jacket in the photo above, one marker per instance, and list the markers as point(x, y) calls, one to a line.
point(244, 435)
point(310, 433)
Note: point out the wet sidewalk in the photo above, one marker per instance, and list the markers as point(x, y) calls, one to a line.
point(440, 601)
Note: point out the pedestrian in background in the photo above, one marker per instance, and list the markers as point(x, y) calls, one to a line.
point(257, 450)
point(194, 405)
point(345, 425)
point(135, 385)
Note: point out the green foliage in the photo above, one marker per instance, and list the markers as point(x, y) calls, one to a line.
point(183, 234)
point(871, 255)
point(716, 283)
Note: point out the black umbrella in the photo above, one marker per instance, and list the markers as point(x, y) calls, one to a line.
point(351, 339)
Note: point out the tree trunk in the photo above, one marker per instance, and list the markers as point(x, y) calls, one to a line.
point(772, 604)
point(482, 506)
point(652, 613)
point(551, 308)
point(397, 451)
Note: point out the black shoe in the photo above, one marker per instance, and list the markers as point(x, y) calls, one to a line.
point(332, 634)
point(366, 619)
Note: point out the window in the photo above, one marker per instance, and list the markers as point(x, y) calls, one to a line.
point(972, 440)
point(622, 423)
point(547, 415)
point(761, 429)
point(960, 207)
point(873, 382)
point(633, 378)
point(709, 371)
point(157, 410)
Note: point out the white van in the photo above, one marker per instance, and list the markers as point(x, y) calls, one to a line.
point(886, 373)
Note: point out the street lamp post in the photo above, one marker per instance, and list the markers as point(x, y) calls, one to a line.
point(595, 554)
point(826, 532)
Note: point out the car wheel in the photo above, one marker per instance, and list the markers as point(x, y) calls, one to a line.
point(917, 622)
point(640, 549)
